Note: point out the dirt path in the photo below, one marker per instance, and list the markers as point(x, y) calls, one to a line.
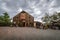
point(27, 33)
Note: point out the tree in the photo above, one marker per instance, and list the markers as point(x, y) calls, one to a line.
point(5, 19)
point(49, 19)
point(46, 19)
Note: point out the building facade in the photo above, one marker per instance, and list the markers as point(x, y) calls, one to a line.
point(38, 24)
point(23, 19)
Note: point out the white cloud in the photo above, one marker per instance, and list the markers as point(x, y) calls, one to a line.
point(4, 7)
point(19, 10)
point(38, 20)
point(37, 12)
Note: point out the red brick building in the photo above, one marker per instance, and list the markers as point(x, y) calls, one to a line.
point(23, 19)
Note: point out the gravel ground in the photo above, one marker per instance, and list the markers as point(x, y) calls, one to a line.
point(28, 33)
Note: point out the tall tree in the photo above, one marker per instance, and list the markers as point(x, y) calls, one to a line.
point(5, 19)
point(49, 19)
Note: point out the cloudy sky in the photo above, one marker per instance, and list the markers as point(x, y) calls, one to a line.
point(36, 8)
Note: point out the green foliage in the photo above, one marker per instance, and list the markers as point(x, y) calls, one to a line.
point(5, 20)
point(48, 19)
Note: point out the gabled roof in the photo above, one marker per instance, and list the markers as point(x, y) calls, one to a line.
point(23, 12)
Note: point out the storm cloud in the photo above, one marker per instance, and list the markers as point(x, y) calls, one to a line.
point(36, 8)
